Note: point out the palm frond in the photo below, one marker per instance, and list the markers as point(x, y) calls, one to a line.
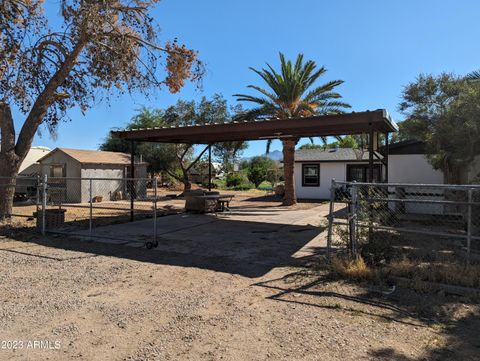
point(473, 76)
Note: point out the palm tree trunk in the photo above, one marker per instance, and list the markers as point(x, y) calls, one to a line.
point(290, 198)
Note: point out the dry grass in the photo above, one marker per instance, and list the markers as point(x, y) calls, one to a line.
point(453, 273)
point(351, 268)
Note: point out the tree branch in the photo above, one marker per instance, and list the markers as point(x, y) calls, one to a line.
point(45, 99)
point(197, 159)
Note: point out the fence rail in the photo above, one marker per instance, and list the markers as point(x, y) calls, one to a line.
point(70, 205)
point(446, 216)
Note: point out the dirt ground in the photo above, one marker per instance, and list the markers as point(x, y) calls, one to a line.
point(100, 301)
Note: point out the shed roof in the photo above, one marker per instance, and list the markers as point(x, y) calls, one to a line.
point(93, 156)
point(322, 125)
point(329, 155)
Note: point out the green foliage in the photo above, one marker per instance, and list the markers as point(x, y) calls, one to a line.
point(174, 157)
point(290, 92)
point(235, 179)
point(243, 187)
point(311, 146)
point(443, 112)
point(258, 169)
point(348, 141)
point(158, 156)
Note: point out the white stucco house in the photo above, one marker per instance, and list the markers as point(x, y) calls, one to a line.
point(315, 168)
point(69, 171)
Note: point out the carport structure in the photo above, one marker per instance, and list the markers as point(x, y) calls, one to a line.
point(374, 123)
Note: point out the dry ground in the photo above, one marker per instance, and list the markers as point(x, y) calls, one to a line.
point(111, 302)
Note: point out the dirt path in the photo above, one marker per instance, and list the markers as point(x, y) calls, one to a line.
point(107, 302)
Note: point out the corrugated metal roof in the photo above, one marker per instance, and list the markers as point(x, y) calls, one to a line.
point(318, 125)
point(94, 156)
point(328, 155)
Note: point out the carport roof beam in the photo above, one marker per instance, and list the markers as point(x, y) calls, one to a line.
point(314, 126)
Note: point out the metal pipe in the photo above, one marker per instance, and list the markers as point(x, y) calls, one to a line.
point(132, 183)
point(44, 203)
point(370, 153)
point(155, 210)
point(209, 167)
point(469, 224)
point(330, 219)
point(90, 221)
point(385, 156)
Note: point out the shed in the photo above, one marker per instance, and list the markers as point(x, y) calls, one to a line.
point(70, 171)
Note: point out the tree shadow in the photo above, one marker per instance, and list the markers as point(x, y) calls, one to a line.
point(243, 247)
point(445, 313)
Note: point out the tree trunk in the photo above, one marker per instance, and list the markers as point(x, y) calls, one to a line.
point(9, 161)
point(186, 182)
point(290, 198)
point(8, 173)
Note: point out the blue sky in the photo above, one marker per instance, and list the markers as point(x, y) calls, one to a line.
point(376, 46)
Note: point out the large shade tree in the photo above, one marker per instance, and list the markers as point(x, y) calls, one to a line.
point(179, 159)
point(109, 45)
point(206, 111)
point(443, 111)
point(292, 92)
point(158, 156)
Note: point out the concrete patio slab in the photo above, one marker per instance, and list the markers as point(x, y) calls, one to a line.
point(267, 236)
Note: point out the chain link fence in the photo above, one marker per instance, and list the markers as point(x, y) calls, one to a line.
point(434, 221)
point(78, 206)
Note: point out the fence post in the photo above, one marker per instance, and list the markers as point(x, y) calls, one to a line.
point(44, 203)
point(330, 219)
point(155, 210)
point(37, 200)
point(353, 220)
point(90, 221)
point(469, 224)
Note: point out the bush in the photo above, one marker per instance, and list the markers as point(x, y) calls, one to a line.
point(244, 187)
point(235, 179)
point(259, 169)
point(353, 268)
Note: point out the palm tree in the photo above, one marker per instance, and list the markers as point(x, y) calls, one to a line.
point(292, 94)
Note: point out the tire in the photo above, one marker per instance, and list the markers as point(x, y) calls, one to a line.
point(149, 245)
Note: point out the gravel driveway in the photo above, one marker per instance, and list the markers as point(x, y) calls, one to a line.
point(94, 301)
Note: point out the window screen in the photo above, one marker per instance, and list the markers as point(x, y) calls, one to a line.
point(310, 175)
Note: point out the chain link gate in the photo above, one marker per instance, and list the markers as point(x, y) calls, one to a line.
point(362, 213)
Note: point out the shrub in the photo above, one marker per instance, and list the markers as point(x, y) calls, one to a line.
point(244, 187)
point(235, 179)
point(351, 268)
point(259, 169)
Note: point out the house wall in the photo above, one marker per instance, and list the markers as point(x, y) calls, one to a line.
point(109, 187)
point(29, 166)
point(69, 192)
point(328, 171)
point(106, 188)
point(412, 168)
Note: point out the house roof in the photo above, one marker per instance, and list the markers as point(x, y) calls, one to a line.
point(320, 125)
point(329, 155)
point(93, 156)
point(410, 146)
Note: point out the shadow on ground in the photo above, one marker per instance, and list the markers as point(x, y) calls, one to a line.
point(454, 317)
point(235, 246)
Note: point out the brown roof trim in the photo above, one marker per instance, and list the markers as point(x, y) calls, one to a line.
point(322, 125)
